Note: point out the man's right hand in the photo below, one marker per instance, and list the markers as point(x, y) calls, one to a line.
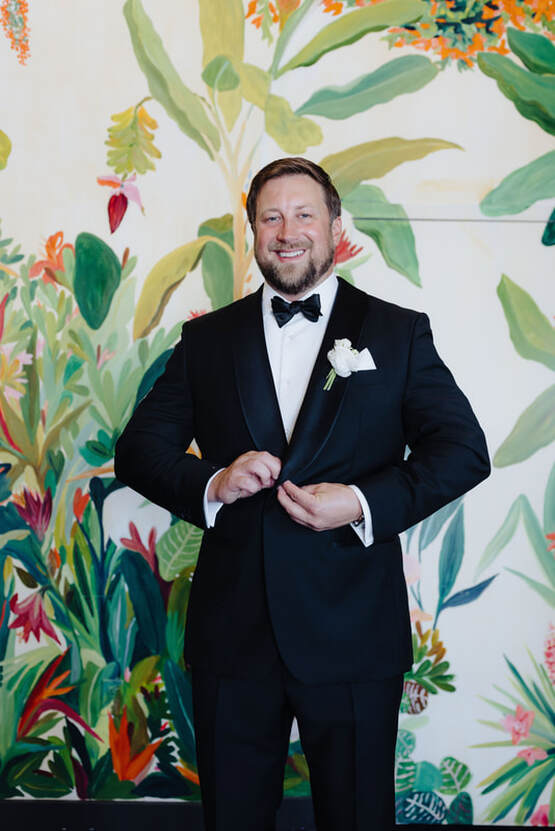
point(248, 474)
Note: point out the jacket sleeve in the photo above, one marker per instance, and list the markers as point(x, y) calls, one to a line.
point(448, 453)
point(151, 455)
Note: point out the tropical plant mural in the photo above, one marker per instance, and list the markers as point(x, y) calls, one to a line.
point(95, 697)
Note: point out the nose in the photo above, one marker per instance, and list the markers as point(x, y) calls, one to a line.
point(286, 229)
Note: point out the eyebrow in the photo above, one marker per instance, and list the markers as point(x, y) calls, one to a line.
point(296, 207)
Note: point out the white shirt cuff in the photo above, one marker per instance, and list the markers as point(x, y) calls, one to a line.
point(364, 530)
point(211, 508)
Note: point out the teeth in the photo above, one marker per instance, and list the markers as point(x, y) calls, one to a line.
point(291, 254)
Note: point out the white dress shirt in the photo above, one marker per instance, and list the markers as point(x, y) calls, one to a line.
point(292, 351)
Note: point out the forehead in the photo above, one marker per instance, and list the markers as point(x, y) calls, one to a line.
point(290, 191)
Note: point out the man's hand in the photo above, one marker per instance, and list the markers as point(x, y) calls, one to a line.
point(248, 474)
point(320, 507)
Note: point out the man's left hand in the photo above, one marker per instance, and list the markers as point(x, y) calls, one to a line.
point(321, 507)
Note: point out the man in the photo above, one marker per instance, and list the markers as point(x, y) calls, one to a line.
point(298, 606)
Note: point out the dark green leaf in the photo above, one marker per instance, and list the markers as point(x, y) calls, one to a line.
point(421, 809)
point(97, 277)
point(450, 558)
point(460, 810)
point(548, 236)
point(178, 690)
point(467, 595)
point(147, 601)
point(455, 775)
point(151, 375)
point(432, 525)
point(26, 578)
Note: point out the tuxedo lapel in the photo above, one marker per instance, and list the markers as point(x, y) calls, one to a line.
point(254, 379)
point(320, 407)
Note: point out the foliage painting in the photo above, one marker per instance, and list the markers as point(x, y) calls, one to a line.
point(94, 694)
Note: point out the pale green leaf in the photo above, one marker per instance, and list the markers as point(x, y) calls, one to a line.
point(162, 281)
point(220, 75)
point(522, 187)
point(178, 549)
point(164, 83)
point(397, 77)
point(455, 775)
point(534, 429)
point(222, 25)
point(255, 84)
point(531, 332)
point(374, 159)
point(533, 95)
point(291, 24)
point(502, 537)
point(293, 133)
point(350, 27)
point(5, 149)
point(544, 592)
point(536, 52)
point(388, 225)
point(549, 504)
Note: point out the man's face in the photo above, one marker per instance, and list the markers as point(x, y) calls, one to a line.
point(294, 242)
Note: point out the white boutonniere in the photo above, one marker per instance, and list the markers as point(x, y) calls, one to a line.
point(345, 359)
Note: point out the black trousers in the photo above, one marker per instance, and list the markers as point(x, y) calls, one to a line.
point(347, 731)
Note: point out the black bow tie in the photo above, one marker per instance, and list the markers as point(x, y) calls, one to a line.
point(284, 311)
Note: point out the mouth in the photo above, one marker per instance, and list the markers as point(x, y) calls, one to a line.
point(288, 255)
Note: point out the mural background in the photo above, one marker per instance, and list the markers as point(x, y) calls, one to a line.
point(129, 131)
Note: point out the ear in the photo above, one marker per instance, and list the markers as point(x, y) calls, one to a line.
point(336, 227)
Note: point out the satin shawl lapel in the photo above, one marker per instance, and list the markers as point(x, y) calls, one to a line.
point(320, 408)
point(254, 378)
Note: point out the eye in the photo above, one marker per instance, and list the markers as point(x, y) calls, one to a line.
point(305, 215)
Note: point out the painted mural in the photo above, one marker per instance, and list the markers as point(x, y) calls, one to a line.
point(95, 699)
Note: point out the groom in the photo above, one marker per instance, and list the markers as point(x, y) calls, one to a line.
point(298, 606)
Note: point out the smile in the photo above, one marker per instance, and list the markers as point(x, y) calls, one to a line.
point(290, 255)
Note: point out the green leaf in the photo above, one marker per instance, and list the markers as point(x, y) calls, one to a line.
point(465, 596)
point(255, 84)
point(97, 277)
point(146, 599)
point(406, 742)
point(421, 809)
point(455, 775)
point(178, 548)
point(293, 133)
point(352, 26)
point(164, 83)
point(222, 25)
point(220, 75)
point(178, 690)
point(451, 555)
point(121, 633)
point(162, 281)
point(532, 334)
point(405, 774)
point(532, 95)
point(374, 159)
point(502, 537)
point(534, 429)
point(460, 810)
point(522, 187)
point(548, 236)
point(432, 525)
point(397, 77)
point(291, 24)
point(428, 777)
point(5, 149)
point(217, 265)
point(536, 52)
point(549, 504)
point(544, 592)
point(388, 225)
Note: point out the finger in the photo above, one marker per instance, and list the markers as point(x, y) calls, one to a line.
point(272, 462)
point(258, 468)
point(301, 496)
point(294, 509)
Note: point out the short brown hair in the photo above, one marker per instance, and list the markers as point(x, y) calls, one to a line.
point(293, 166)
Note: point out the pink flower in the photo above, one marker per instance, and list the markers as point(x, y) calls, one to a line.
point(32, 616)
point(541, 816)
point(419, 615)
point(519, 724)
point(532, 754)
point(35, 510)
point(550, 653)
point(411, 567)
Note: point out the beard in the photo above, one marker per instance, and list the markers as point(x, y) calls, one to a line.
point(283, 278)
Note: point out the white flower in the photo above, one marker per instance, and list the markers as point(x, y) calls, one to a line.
point(345, 360)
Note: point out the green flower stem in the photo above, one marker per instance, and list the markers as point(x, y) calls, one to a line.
point(332, 375)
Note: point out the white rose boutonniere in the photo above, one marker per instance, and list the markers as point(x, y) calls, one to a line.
point(345, 359)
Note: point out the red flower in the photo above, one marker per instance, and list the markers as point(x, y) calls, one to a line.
point(34, 510)
point(126, 189)
point(345, 250)
point(126, 766)
point(196, 313)
point(32, 616)
point(551, 544)
point(42, 700)
point(117, 206)
point(80, 502)
point(540, 816)
point(134, 543)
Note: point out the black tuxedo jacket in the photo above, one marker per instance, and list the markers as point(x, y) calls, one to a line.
point(338, 610)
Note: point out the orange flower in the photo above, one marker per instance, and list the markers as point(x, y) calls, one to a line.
point(13, 14)
point(80, 502)
point(345, 250)
point(127, 767)
point(187, 773)
point(54, 258)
